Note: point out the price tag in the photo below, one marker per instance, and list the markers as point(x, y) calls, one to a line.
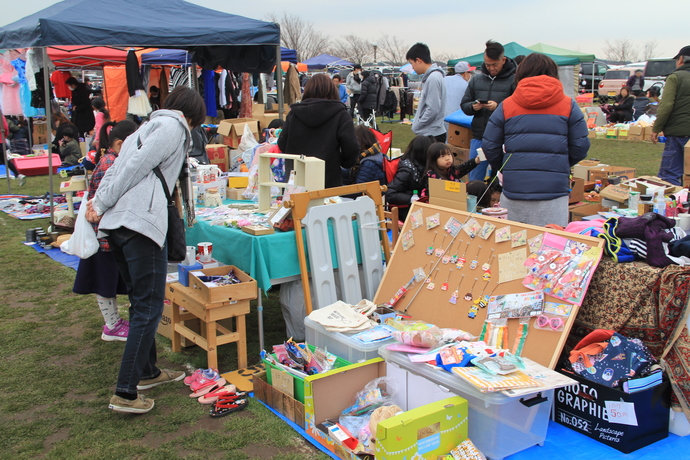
point(452, 186)
point(621, 412)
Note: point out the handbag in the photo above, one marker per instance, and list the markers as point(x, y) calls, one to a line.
point(177, 244)
point(83, 242)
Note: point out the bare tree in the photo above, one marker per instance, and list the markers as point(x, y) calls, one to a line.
point(353, 48)
point(650, 49)
point(620, 50)
point(392, 49)
point(300, 35)
point(442, 57)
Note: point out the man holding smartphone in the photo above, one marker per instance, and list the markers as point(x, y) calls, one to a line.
point(485, 91)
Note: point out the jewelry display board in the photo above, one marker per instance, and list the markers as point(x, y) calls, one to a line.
point(472, 256)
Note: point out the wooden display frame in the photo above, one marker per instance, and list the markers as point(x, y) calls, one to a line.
point(433, 306)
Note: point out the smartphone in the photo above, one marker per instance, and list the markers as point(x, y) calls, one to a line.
point(482, 101)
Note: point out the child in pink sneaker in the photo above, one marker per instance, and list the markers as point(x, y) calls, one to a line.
point(99, 273)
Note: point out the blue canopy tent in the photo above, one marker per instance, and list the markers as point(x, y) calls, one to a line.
point(288, 55)
point(164, 56)
point(323, 61)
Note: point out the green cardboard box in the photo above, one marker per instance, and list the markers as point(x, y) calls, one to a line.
point(423, 433)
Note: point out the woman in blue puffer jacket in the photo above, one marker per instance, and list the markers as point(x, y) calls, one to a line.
point(543, 134)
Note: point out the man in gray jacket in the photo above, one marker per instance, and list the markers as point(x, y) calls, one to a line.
point(428, 120)
point(353, 83)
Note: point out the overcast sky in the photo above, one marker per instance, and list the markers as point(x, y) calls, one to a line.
point(460, 28)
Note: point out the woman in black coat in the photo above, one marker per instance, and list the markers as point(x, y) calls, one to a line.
point(368, 95)
point(622, 110)
point(82, 111)
point(320, 126)
point(410, 175)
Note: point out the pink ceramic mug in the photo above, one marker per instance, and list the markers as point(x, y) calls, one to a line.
point(205, 251)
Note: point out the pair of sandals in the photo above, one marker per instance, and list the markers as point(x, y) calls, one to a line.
point(228, 403)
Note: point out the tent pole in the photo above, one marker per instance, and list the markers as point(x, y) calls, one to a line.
point(49, 124)
point(279, 84)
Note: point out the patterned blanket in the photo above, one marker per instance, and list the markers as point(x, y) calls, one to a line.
point(645, 302)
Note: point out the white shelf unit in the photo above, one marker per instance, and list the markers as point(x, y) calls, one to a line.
point(309, 173)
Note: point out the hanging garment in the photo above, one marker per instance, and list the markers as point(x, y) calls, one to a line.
point(139, 104)
point(24, 91)
point(134, 81)
point(61, 89)
point(208, 77)
point(163, 86)
point(246, 101)
point(178, 77)
point(11, 104)
point(292, 91)
point(222, 98)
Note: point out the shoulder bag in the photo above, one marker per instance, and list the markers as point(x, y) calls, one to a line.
point(177, 244)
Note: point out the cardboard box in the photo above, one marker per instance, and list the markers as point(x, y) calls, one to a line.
point(235, 193)
point(425, 432)
point(642, 183)
point(461, 154)
point(39, 132)
point(648, 134)
point(623, 132)
point(592, 134)
point(598, 411)
point(219, 154)
point(581, 169)
point(246, 290)
point(578, 211)
point(577, 190)
point(238, 180)
point(233, 129)
point(612, 133)
point(278, 400)
point(448, 194)
point(636, 133)
point(686, 157)
point(258, 230)
point(616, 193)
point(686, 180)
point(165, 327)
point(327, 394)
point(602, 173)
point(459, 136)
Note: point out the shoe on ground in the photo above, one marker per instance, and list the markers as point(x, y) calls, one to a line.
point(21, 180)
point(192, 378)
point(141, 405)
point(165, 377)
point(118, 333)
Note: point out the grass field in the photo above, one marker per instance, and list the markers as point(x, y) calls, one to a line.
point(58, 375)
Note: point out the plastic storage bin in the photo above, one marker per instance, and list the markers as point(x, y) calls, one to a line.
point(340, 344)
point(299, 381)
point(499, 425)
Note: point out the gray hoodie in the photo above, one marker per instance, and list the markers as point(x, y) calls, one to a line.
point(428, 121)
point(130, 195)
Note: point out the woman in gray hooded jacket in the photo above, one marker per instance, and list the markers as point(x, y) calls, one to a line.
point(131, 208)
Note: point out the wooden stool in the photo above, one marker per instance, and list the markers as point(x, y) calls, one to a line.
point(209, 314)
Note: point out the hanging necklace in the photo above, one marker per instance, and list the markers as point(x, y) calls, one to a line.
point(454, 296)
point(444, 286)
point(461, 260)
point(474, 262)
point(430, 249)
point(430, 285)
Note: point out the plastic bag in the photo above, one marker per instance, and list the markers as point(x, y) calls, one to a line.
point(248, 140)
point(375, 394)
point(83, 242)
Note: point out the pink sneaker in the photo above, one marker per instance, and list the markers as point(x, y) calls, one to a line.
point(192, 378)
point(118, 333)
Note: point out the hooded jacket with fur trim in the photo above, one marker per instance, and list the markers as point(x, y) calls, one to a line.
point(543, 132)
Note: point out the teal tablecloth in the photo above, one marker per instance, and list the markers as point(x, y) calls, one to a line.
point(264, 258)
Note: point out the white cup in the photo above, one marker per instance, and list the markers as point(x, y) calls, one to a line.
point(684, 221)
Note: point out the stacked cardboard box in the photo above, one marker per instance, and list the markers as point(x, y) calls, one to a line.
point(459, 136)
point(233, 129)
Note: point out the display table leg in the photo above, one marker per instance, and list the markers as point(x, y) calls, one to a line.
point(176, 338)
point(242, 342)
point(212, 350)
point(260, 313)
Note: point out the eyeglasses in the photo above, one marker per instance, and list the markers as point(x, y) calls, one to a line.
point(554, 323)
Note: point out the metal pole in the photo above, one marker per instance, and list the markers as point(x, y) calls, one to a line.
point(260, 311)
point(279, 85)
point(49, 124)
point(3, 147)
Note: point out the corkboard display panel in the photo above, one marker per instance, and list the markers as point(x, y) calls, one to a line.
point(433, 306)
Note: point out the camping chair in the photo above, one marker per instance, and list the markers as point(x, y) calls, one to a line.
point(368, 211)
point(384, 140)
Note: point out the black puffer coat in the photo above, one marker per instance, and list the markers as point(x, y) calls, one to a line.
point(82, 111)
point(323, 129)
point(369, 95)
point(484, 87)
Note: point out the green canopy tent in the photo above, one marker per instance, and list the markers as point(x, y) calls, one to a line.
point(548, 49)
point(568, 67)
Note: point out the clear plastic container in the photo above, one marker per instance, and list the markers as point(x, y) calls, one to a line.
point(340, 344)
point(499, 425)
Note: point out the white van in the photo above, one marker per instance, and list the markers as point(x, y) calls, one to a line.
point(656, 71)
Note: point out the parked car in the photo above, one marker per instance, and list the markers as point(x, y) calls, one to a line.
point(656, 71)
point(613, 81)
point(591, 74)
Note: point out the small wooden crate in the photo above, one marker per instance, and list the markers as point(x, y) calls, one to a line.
point(282, 403)
point(246, 290)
